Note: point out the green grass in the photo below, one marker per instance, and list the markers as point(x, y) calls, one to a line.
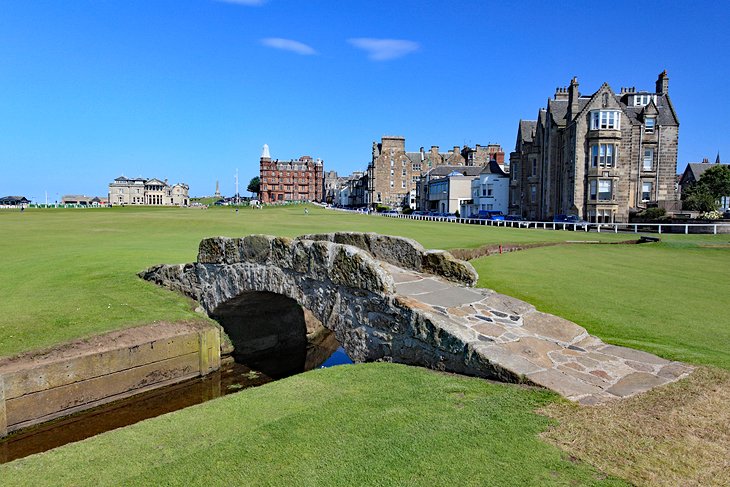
point(669, 299)
point(373, 424)
point(68, 274)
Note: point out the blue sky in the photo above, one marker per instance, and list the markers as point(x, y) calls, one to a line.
point(190, 90)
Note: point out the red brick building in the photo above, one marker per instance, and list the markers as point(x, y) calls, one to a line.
point(294, 180)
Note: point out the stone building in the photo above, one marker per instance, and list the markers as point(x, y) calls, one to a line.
point(150, 192)
point(393, 172)
point(599, 156)
point(293, 180)
point(490, 191)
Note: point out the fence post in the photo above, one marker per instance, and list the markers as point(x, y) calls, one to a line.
point(660, 228)
point(686, 229)
point(714, 229)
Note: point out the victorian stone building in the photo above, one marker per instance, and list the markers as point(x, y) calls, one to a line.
point(393, 173)
point(597, 156)
point(293, 180)
point(150, 192)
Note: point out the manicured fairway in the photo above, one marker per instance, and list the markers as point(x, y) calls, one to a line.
point(67, 274)
point(371, 424)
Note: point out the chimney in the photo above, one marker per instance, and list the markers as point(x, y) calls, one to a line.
point(434, 149)
point(705, 161)
point(456, 149)
point(561, 93)
point(499, 157)
point(662, 83)
point(423, 154)
point(573, 95)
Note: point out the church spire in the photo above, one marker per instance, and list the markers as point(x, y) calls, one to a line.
point(717, 159)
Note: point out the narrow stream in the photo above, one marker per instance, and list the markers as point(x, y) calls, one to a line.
point(231, 378)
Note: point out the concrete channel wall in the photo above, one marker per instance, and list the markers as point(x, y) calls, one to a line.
point(35, 388)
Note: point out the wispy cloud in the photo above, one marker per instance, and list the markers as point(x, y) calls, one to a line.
point(384, 49)
point(289, 45)
point(251, 3)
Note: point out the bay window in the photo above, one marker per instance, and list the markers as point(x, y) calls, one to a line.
point(603, 155)
point(605, 119)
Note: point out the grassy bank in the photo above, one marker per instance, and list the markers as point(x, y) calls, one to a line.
point(668, 299)
point(375, 424)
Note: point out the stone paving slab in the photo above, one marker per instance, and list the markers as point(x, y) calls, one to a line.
point(543, 349)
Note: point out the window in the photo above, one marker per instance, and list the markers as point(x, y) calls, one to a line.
point(602, 155)
point(404, 172)
point(649, 124)
point(392, 184)
point(392, 172)
point(593, 189)
point(534, 167)
point(403, 184)
point(648, 160)
point(416, 167)
point(533, 193)
point(646, 191)
point(515, 170)
point(605, 119)
point(490, 190)
point(642, 99)
point(605, 189)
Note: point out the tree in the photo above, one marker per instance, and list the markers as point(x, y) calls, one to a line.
point(704, 195)
point(254, 186)
point(717, 180)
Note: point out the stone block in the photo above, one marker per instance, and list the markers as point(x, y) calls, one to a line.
point(442, 263)
point(255, 248)
point(635, 383)
point(551, 326)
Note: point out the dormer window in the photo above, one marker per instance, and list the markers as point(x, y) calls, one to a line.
point(642, 99)
point(649, 124)
point(605, 120)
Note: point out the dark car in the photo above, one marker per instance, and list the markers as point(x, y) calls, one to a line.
point(494, 215)
point(570, 221)
point(514, 218)
point(726, 215)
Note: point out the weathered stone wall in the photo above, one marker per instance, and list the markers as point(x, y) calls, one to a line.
point(343, 286)
point(405, 253)
point(85, 374)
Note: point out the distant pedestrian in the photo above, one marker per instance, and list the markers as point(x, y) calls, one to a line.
point(306, 211)
point(236, 211)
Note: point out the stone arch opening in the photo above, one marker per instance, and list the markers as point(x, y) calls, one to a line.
point(274, 334)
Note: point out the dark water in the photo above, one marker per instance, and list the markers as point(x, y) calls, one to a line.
point(231, 378)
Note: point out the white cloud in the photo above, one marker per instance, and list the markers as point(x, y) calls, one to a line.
point(288, 45)
point(384, 49)
point(251, 3)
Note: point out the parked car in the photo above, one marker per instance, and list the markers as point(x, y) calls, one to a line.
point(571, 221)
point(491, 215)
point(514, 218)
point(726, 215)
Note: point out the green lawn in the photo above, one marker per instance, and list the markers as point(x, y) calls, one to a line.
point(669, 299)
point(67, 274)
point(372, 424)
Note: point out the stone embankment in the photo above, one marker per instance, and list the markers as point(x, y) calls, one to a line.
point(39, 387)
point(387, 298)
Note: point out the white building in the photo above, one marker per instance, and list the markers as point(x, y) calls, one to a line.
point(489, 191)
point(151, 192)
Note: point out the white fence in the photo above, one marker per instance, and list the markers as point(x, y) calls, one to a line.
point(686, 228)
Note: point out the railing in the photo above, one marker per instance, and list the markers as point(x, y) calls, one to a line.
point(686, 228)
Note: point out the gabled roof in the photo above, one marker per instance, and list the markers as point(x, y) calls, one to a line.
point(527, 130)
point(694, 171)
point(493, 168)
point(155, 181)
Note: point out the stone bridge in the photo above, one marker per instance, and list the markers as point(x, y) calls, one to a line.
point(387, 298)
